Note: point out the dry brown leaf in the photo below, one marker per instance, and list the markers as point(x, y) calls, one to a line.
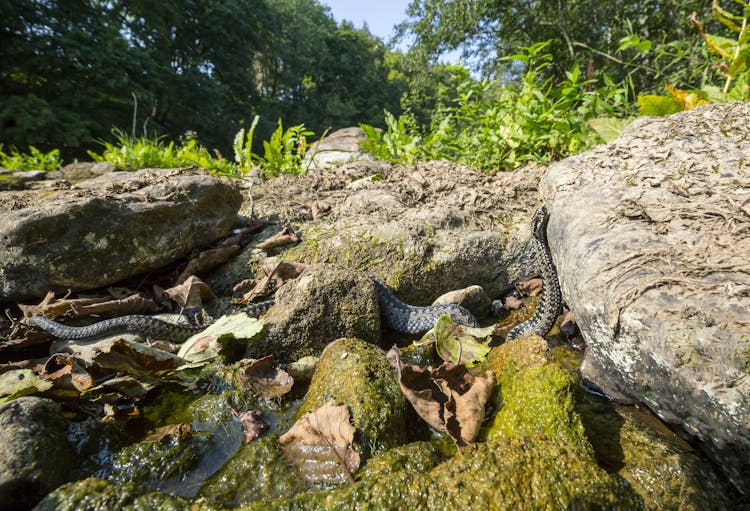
point(208, 260)
point(265, 377)
point(319, 209)
point(179, 431)
point(531, 287)
point(320, 445)
point(191, 293)
point(448, 398)
point(82, 307)
point(252, 423)
point(66, 373)
point(285, 237)
point(512, 303)
point(277, 274)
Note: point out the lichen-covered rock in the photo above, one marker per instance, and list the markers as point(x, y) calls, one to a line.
point(323, 304)
point(108, 228)
point(339, 147)
point(35, 457)
point(355, 373)
point(651, 236)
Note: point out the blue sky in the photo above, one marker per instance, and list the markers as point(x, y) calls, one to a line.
point(380, 15)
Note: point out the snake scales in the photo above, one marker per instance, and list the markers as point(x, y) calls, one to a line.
point(397, 315)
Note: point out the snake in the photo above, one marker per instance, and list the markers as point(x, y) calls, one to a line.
point(397, 315)
point(550, 301)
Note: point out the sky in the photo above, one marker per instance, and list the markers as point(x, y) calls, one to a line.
point(380, 15)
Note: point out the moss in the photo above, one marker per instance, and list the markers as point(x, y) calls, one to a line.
point(660, 467)
point(414, 458)
point(94, 494)
point(529, 351)
point(169, 407)
point(521, 474)
point(257, 472)
point(539, 400)
point(147, 462)
point(353, 372)
point(421, 354)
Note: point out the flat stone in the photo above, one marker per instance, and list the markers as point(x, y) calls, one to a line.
point(103, 230)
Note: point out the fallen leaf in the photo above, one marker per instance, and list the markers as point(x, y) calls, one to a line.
point(264, 377)
point(460, 344)
point(285, 237)
point(66, 373)
point(320, 445)
point(277, 274)
point(512, 303)
point(531, 287)
point(220, 338)
point(448, 398)
point(208, 260)
point(179, 431)
point(252, 423)
point(21, 382)
point(191, 293)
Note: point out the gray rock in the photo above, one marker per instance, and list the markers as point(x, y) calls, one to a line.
point(339, 147)
point(108, 228)
point(322, 304)
point(424, 230)
point(81, 170)
point(36, 457)
point(651, 236)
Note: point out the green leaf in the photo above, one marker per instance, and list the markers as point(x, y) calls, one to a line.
point(460, 344)
point(657, 105)
point(21, 382)
point(609, 128)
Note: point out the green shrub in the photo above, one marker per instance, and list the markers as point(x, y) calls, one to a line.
point(492, 126)
point(35, 160)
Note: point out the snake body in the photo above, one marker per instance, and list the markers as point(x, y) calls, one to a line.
point(550, 304)
point(396, 314)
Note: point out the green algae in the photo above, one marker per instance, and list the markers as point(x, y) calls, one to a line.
point(356, 373)
point(414, 458)
point(95, 494)
point(258, 471)
point(539, 400)
point(665, 471)
point(528, 473)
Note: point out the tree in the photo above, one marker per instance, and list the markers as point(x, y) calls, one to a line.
point(587, 32)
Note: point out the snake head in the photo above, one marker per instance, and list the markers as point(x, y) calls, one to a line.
point(539, 223)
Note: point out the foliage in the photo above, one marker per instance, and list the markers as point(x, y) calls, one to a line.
point(579, 32)
point(35, 160)
point(732, 64)
point(284, 151)
point(133, 153)
point(501, 127)
point(73, 69)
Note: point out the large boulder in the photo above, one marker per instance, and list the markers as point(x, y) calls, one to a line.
point(339, 147)
point(424, 230)
point(109, 228)
point(651, 236)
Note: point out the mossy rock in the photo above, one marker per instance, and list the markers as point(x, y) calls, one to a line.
point(356, 373)
point(413, 458)
point(664, 470)
point(538, 400)
point(528, 473)
point(257, 472)
point(95, 494)
point(527, 351)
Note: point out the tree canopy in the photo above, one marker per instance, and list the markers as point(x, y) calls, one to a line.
point(73, 69)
